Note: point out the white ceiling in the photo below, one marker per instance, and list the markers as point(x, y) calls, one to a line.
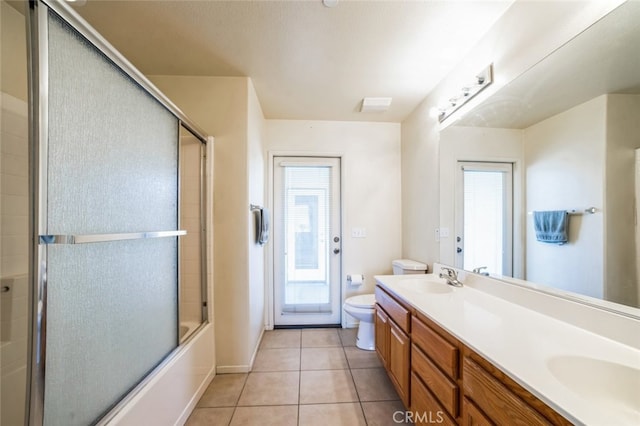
point(306, 61)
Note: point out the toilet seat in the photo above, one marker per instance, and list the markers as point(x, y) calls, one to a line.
point(362, 301)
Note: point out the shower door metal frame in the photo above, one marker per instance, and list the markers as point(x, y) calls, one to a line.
point(37, 57)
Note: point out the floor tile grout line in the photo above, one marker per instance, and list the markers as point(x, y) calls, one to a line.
point(364, 417)
point(345, 345)
point(235, 408)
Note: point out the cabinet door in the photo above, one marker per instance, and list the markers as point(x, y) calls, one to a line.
point(399, 360)
point(472, 415)
point(382, 336)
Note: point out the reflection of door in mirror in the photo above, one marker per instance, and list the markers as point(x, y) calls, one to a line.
point(577, 113)
point(484, 217)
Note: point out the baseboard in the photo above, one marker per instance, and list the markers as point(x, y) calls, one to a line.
point(303, 326)
point(230, 369)
point(255, 350)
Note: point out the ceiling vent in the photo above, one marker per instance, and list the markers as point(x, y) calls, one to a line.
point(375, 104)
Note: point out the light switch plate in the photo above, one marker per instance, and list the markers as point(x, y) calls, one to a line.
point(358, 233)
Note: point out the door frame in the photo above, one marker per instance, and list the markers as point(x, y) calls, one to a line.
point(269, 311)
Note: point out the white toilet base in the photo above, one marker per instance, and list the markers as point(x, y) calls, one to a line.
point(366, 336)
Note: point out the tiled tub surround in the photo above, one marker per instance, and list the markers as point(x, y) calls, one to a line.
point(14, 257)
point(304, 377)
point(504, 324)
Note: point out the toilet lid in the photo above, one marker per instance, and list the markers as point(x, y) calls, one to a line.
point(362, 301)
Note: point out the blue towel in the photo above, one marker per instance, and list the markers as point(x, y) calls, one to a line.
point(551, 226)
point(263, 231)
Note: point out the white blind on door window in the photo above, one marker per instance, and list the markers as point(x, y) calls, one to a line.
point(484, 211)
point(307, 220)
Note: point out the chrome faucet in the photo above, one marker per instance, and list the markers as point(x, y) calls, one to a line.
point(479, 269)
point(451, 276)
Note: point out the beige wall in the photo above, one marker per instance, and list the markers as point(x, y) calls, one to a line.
point(256, 172)
point(520, 38)
point(623, 138)
point(371, 174)
point(420, 186)
point(581, 158)
point(13, 53)
point(564, 171)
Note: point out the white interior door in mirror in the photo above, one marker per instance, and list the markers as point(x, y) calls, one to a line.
point(484, 217)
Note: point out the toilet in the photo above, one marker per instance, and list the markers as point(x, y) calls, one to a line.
point(362, 307)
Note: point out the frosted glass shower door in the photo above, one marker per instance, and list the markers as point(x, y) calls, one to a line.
point(108, 226)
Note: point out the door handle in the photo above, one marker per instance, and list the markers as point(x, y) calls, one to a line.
point(458, 250)
point(336, 250)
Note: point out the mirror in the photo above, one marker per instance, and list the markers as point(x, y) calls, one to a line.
point(571, 127)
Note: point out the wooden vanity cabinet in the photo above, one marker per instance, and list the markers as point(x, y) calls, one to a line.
point(392, 341)
point(440, 380)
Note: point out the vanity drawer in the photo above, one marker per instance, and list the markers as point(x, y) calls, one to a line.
point(443, 353)
point(398, 313)
point(446, 390)
point(425, 407)
point(495, 399)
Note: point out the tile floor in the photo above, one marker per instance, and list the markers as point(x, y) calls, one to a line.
point(303, 378)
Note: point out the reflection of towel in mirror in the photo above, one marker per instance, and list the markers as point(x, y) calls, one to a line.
point(551, 226)
point(263, 237)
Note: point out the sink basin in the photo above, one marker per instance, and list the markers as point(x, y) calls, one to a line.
point(609, 385)
point(422, 285)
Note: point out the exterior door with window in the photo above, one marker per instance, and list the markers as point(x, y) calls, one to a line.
point(307, 241)
point(484, 217)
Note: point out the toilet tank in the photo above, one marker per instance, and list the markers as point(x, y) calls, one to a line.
point(407, 266)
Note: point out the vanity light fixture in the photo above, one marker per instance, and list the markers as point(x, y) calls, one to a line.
point(375, 104)
point(330, 3)
point(483, 79)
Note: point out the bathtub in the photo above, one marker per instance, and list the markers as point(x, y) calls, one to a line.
point(186, 329)
point(13, 348)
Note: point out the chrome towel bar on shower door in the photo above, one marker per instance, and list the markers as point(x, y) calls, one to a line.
point(101, 238)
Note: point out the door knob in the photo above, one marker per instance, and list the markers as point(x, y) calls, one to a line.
point(458, 250)
point(336, 250)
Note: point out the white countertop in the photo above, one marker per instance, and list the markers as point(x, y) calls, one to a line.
point(537, 351)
